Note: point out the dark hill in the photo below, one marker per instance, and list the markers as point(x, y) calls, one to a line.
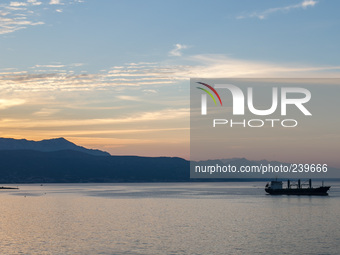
point(56, 144)
point(28, 166)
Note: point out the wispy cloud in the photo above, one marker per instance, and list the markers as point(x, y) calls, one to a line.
point(28, 3)
point(177, 51)
point(47, 66)
point(129, 98)
point(7, 103)
point(17, 4)
point(73, 77)
point(161, 115)
point(264, 14)
point(18, 15)
point(55, 2)
point(13, 19)
point(34, 2)
point(44, 112)
point(150, 91)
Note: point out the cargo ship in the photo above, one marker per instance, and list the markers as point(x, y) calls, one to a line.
point(293, 188)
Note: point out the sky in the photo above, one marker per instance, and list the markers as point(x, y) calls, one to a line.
point(115, 75)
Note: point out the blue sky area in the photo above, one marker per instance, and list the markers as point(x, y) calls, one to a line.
point(114, 75)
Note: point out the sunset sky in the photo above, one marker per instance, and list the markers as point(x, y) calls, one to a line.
point(114, 75)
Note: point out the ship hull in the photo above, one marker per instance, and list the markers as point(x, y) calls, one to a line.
point(320, 191)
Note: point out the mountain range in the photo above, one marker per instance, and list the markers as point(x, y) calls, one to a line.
point(56, 144)
point(61, 161)
point(58, 160)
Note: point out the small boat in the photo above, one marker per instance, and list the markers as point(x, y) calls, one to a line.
point(276, 188)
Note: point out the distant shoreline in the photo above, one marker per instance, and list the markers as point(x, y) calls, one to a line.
point(169, 181)
point(3, 187)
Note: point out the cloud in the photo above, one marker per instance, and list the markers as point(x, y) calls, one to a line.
point(129, 98)
point(44, 112)
point(150, 91)
point(34, 2)
point(177, 51)
point(48, 66)
point(71, 77)
point(7, 103)
point(17, 4)
point(307, 3)
point(212, 66)
point(219, 66)
point(55, 2)
point(122, 131)
point(10, 23)
point(77, 64)
point(265, 13)
point(18, 15)
point(161, 115)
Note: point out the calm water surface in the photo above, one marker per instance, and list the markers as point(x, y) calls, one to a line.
point(166, 218)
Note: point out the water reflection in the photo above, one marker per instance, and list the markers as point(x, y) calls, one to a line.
point(166, 218)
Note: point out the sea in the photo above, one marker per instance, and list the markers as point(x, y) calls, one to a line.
point(166, 218)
